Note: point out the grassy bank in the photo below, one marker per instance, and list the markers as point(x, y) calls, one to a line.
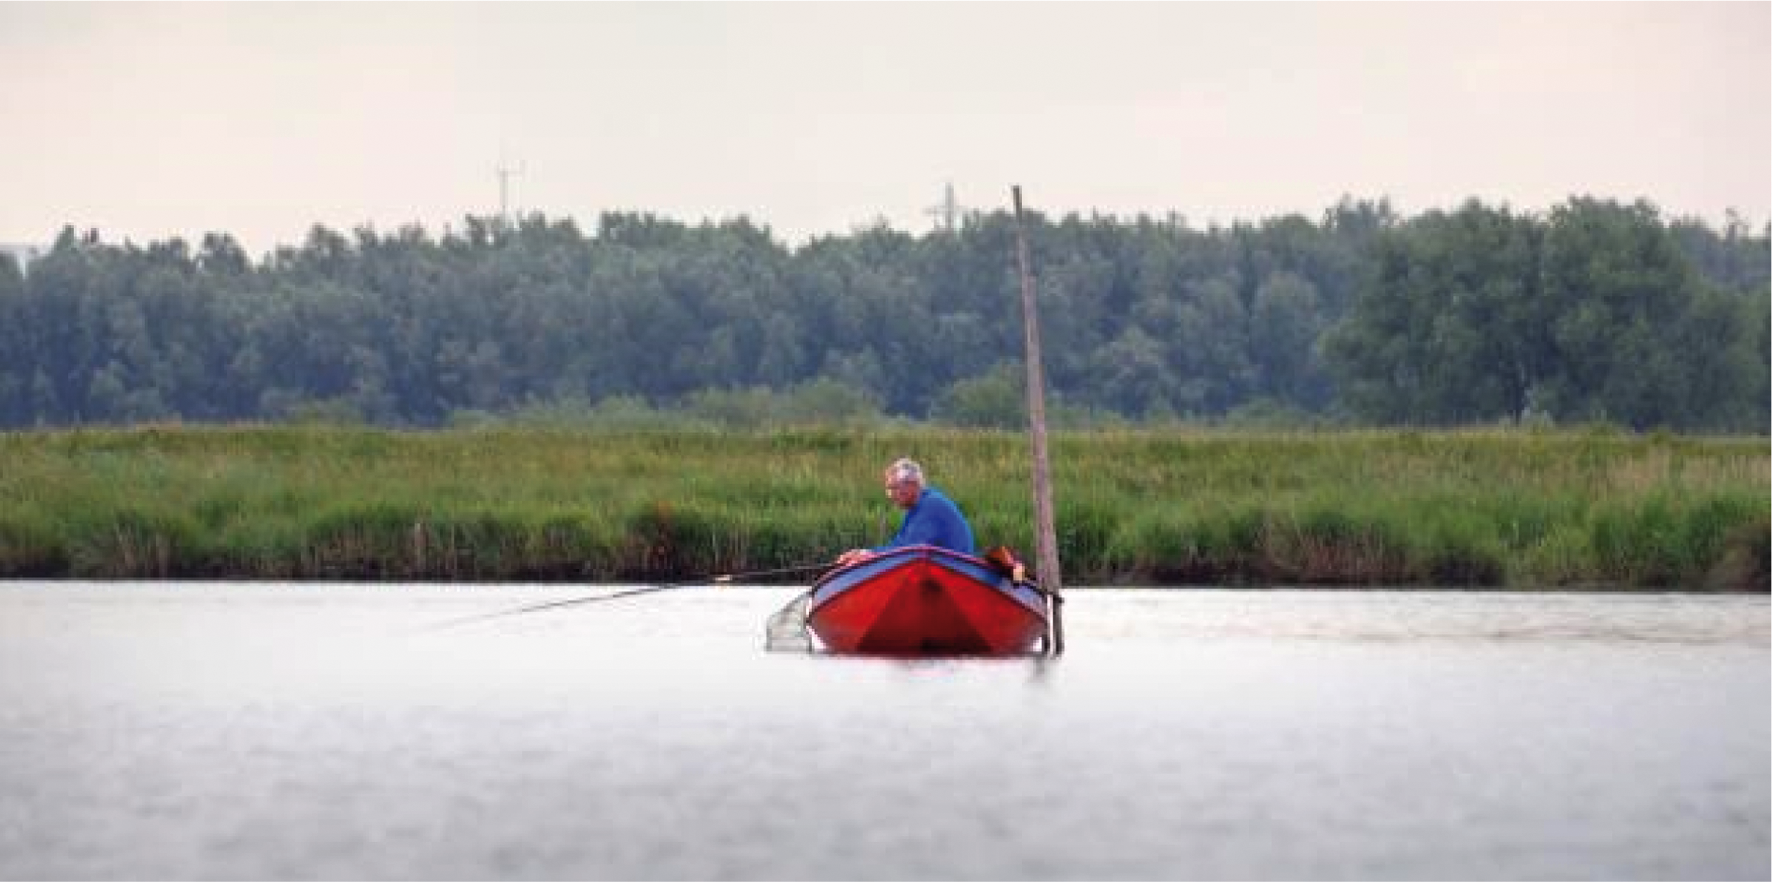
point(1527, 509)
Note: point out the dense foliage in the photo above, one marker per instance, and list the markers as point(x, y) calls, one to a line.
point(1598, 311)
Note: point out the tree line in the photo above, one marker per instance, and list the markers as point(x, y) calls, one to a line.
point(1593, 311)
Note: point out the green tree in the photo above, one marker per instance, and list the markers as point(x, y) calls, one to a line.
point(1284, 322)
point(1620, 293)
point(994, 400)
point(15, 356)
point(1449, 327)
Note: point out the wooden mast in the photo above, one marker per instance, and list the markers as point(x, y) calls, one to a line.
point(1045, 534)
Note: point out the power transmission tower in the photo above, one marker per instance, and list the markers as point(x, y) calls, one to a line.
point(946, 214)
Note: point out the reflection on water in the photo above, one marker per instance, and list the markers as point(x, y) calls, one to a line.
point(321, 731)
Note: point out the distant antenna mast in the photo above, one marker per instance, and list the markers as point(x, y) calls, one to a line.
point(504, 189)
point(946, 214)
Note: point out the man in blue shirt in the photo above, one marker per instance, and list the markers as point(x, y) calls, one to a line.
point(930, 518)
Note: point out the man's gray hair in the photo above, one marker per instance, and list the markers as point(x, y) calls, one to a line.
point(906, 470)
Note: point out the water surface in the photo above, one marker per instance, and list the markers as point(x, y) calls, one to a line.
point(302, 731)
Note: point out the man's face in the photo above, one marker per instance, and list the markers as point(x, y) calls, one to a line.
point(902, 493)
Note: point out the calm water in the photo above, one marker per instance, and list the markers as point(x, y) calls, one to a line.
point(246, 731)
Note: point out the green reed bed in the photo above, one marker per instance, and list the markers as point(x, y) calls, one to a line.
point(1456, 508)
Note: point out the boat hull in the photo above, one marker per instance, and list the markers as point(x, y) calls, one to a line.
point(923, 600)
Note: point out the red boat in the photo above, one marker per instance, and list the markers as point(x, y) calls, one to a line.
point(924, 600)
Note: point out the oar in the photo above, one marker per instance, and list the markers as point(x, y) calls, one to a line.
point(721, 579)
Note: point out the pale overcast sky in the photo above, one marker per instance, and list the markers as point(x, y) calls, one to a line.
point(150, 120)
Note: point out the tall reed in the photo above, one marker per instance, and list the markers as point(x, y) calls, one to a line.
point(1446, 508)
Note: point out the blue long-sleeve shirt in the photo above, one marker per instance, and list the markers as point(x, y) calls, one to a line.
point(933, 520)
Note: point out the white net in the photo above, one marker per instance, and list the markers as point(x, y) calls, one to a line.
point(786, 630)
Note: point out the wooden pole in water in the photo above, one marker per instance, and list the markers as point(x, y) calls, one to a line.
point(1045, 533)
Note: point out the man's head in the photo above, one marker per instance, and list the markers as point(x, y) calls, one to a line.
point(904, 483)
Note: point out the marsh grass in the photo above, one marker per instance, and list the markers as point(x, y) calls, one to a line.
point(1452, 508)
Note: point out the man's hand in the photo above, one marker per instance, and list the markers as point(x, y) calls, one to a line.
point(853, 555)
